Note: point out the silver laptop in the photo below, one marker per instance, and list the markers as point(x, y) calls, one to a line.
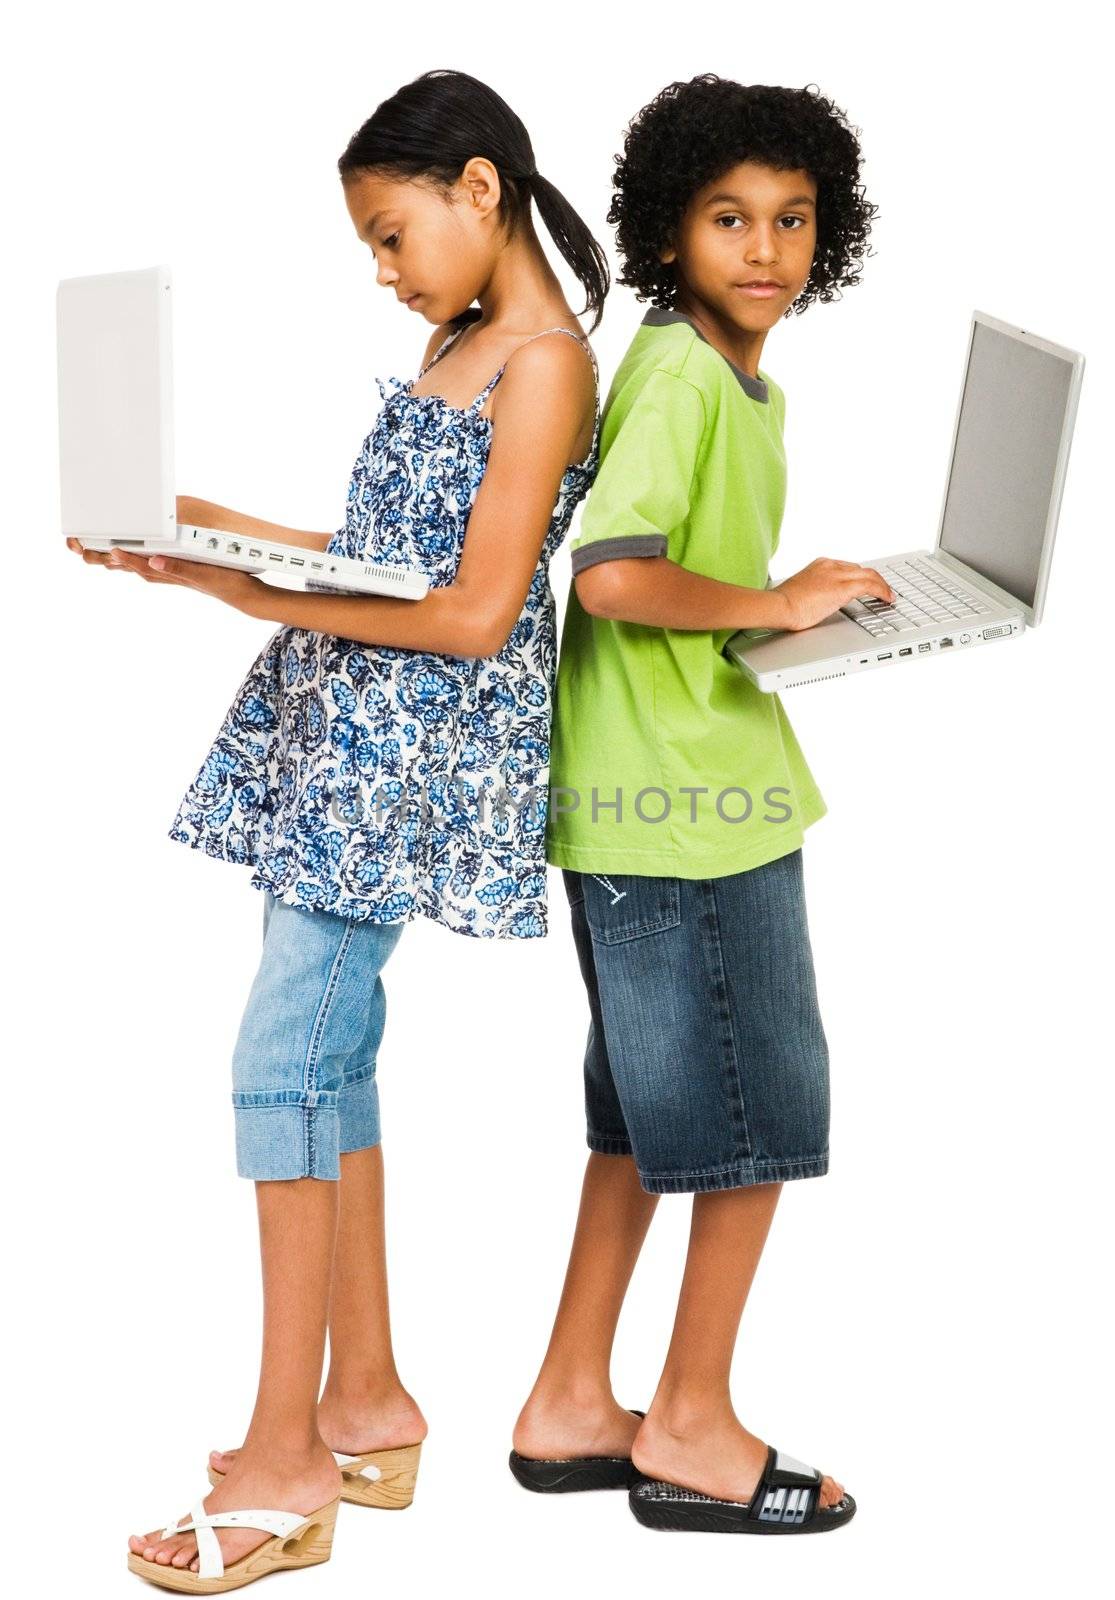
point(986, 576)
point(116, 444)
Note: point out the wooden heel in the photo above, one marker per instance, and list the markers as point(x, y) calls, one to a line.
point(315, 1542)
point(392, 1489)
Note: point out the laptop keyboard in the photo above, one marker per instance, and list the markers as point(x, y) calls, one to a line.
point(925, 599)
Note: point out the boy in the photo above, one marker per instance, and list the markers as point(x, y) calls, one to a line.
point(680, 799)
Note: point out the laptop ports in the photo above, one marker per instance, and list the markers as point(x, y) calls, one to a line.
point(944, 643)
point(885, 656)
point(908, 650)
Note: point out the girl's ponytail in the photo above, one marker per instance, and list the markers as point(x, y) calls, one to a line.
point(432, 126)
point(574, 240)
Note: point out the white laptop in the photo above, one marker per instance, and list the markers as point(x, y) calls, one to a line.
point(986, 576)
point(116, 444)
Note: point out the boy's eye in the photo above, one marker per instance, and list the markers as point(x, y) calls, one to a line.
point(735, 218)
point(390, 243)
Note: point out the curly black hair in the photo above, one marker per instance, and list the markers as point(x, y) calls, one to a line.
point(692, 132)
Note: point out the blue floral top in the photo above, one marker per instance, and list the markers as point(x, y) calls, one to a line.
point(380, 783)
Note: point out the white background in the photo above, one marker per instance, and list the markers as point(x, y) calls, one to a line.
point(928, 1320)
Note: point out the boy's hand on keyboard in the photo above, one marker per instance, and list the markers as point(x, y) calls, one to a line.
point(823, 587)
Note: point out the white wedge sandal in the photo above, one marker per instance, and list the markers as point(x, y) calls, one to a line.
point(298, 1541)
point(382, 1478)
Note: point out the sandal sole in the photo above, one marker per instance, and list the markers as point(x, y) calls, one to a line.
point(574, 1474)
point(696, 1513)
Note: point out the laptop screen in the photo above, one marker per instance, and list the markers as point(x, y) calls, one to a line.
point(1000, 490)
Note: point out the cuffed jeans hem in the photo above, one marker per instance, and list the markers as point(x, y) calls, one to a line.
point(609, 1145)
point(358, 1115)
point(741, 1175)
point(354, 1142)
point(278, 1141)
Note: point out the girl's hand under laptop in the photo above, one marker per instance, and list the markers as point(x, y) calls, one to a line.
point(238, 589)
point(95, 558)
point(823, 587)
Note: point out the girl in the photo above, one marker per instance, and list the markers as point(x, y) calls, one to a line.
point(360, 772)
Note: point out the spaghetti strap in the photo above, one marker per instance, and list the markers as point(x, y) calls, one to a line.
point(478, 403)
point(494, 379)
point(443, 346)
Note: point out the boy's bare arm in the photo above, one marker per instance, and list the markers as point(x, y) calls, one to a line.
point(657, 592)
point(205, 514)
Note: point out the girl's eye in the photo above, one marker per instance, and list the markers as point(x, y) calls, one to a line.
point(390, 242)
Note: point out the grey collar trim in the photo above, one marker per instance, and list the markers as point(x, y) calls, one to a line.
point(657, 317)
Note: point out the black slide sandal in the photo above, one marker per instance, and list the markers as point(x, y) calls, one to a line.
point(563, 1476)
point(786, 1500)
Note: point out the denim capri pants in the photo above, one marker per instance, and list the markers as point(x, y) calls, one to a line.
point(706, 1059)
point(304, 1066)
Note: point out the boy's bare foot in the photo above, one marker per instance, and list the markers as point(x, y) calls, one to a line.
point(351, 1427)
point(711, 1453)
point(555, 1429)
point(302, 1483)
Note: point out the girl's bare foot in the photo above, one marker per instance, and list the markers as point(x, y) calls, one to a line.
point(712, 1453)
point(352, 1426)
point(553, 1427)
point(297, 1483)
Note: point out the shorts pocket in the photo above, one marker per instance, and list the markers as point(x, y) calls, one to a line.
point(624, 905)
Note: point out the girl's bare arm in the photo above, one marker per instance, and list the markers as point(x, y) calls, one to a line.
point(205, 514)
point(538, 418)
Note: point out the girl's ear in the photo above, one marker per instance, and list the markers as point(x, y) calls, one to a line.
point(480, 182)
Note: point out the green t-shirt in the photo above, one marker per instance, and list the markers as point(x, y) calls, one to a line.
point(705, 767)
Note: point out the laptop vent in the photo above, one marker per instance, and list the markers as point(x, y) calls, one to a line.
point(801, 683)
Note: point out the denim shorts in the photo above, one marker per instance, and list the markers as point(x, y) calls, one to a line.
point(304, 1066)
point(706, 1059)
